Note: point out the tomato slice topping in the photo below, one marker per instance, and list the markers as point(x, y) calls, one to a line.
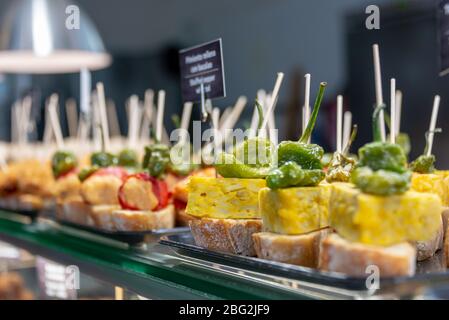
point(179, 204)
point(159, 189)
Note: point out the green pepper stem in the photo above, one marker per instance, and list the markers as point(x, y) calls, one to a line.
point(351, 139)
point(260, 114)
point(376, 123)
point(308, 132)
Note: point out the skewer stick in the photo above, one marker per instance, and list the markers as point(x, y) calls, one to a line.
point(160, 114)
point(306, 108)
point(148, 107)
point(72, 116)
point(378, 83)
point(235, 114)
point(15, 122)
point(339, 123)
point(185, 120)
point(347, 125)
point(224, 116)
point(273, 100)
point(133, 120)
point(398, 111)
point(433, 123)
point(217, 134)
point(393, 110)
point(55, 121)
point(103, 116)
point(114, 125)
point(25, 108)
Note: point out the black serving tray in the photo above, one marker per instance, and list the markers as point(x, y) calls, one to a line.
point(129, 237)
point(30, 213)
point(431, 271)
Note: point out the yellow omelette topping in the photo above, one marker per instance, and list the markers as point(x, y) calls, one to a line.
point(378, 220)
point(223, 198)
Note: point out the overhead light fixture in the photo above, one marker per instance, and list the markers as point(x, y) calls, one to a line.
point(47, 36)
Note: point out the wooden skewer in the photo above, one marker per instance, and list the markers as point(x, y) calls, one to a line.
point(148, 107)
point(114, 125)
point(393, 110)
point(433, 122)
point(224, 116)
point(306, 107)
point(160, 114)
point(217, 133)
point(378, 83)
point(339, 123)
point(103, 115)
point(133, 120)
point(72, 116)
point(55, 121)
point(273, 100)
point(185, 120)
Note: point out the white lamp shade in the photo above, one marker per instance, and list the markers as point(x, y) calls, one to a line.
point(40, 36)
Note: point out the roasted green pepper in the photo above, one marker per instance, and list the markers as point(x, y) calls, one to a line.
point(249, 160)
point(87, 172)
point(341, 165)
point(423, 164)
point(290, 174)
point(382, 166)
point(381, 182)
point(302, 160)
point(128, 158)
point(103, 159)
point(63, 162)
point(383, 155)
point(156, 159)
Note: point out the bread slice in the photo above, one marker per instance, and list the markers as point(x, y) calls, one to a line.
point(353, 259)
point(301, 250)
point(75, 211)
point(102, 216)
point(130, 220)
point(182, 218)
point(226, 235)
point(426, 249)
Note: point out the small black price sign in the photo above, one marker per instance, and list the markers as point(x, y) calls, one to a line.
point(202, 64)
point(443, 17)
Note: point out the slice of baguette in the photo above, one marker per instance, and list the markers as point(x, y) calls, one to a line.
point(75, 211)
point(102, 216)
point(130, 220)
point(182, 218)
point(426, 249)
point(301, 249)
point(353, 259)
point(226, 235)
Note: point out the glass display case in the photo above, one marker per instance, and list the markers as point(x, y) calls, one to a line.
point(44, 252)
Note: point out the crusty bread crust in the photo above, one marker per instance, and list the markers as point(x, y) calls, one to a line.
point(111, 217)
point(75, 211)
point(182, 218)
point(128, 220)
point(426, 249)
point(23, 202)
point(226, 235)
point(300, 250)
point(352, 258)
point(102, 216)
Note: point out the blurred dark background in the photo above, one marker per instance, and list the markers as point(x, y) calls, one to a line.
point(326, 38)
